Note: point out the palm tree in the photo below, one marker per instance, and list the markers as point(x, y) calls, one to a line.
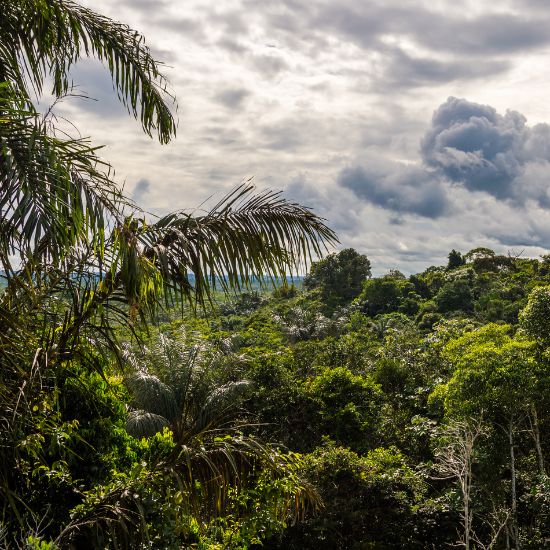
point(65, 220)
point(79, 257)
point(171, 387)
point(55, 191)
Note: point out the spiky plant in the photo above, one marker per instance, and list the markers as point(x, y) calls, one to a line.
point(211, 459)
point(179, 394)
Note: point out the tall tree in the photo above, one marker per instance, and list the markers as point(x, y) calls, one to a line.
point(455, 259)
point(497, 375)
point(339, 276)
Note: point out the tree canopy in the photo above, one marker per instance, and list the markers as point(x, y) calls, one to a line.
point(339, 276)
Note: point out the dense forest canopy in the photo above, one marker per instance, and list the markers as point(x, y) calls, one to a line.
point(419, 407)
point(412, 415)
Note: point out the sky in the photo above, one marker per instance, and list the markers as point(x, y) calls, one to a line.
point(413, 127)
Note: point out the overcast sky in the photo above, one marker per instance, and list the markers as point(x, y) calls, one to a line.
point(413, 127)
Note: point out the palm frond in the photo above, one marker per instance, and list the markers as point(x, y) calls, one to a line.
point(54, 193)
point(41, 38)
point(151, 395)
point(219, 404)
point(245, 237)
point(145, 424)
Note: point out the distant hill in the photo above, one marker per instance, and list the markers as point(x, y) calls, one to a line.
point(257, 283)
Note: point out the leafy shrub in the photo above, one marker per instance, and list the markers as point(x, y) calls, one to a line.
point(369, 501)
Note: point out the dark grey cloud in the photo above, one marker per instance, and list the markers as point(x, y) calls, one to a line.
point(396, 187)
point(232, 98)
point(468, 146)
point(366, 23)
point(533, 233)
point(474, 146)
point(146, 6)
point(403, 70)
point(141, 189)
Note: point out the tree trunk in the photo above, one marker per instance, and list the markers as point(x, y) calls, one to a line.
point(514, 525)
point(467, 520)
point(466, 488)
point(536, 436)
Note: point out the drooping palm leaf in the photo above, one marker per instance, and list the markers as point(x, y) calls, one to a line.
point(152, 395)
point(40, 38)
point(219, 404)
point(145, 424)
point(54, 193)
point(246, 236)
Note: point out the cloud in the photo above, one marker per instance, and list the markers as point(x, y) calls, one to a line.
point(474, 146)
point(336, 88)
point(344, 215)
point(367, 24)
point(270, 66)
point(281, 137)
point(232, 46)
point(396, 187)
point(469, 146)
point(403, 70)
point(232, 98)
point(141, 189)
point(487, 34)
point(146, 6)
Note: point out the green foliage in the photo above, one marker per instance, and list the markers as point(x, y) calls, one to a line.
point(348, 406)
point(339, 277)
point(355, 490)
point(455, 259)
point(493, 372)
point(454, 295)
point(36, 543)
point(388, 294)
point(535, 317)
point(306, 321)
point(285, 292)
point(478, 253)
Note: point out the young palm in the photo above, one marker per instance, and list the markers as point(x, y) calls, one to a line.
point(171, 387)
